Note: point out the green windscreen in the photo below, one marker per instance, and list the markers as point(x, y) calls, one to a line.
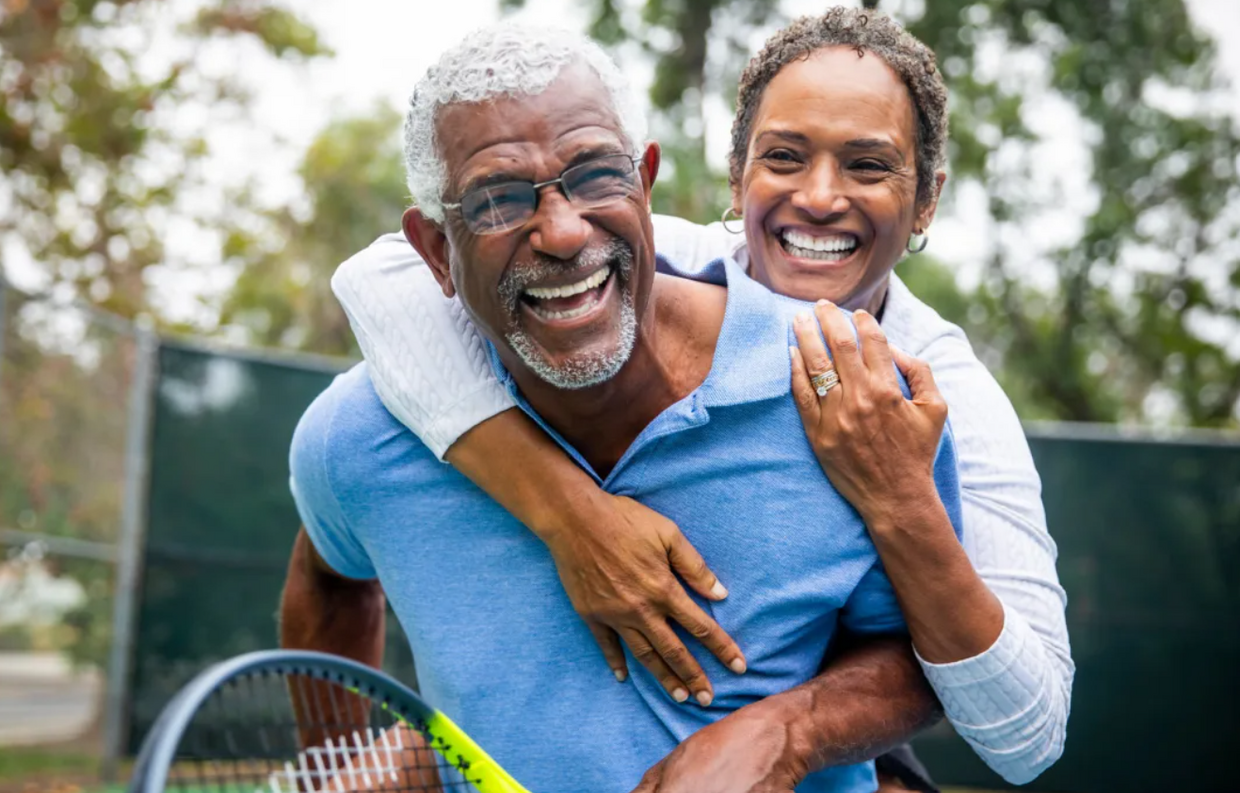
point(221, 521)
point(1149, 552)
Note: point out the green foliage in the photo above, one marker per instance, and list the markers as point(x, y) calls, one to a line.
point(91, 169)
point(1085, 350)
point(1079, 349)
point(90, 164)
point(354, 178)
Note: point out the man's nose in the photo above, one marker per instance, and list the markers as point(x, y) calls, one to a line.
point(558, 229)
point(823, 193)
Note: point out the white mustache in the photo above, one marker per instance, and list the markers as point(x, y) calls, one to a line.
point(522, 274)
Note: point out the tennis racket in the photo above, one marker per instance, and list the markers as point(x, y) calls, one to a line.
point(291, 721)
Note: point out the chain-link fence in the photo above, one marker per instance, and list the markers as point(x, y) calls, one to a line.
point(72, 381)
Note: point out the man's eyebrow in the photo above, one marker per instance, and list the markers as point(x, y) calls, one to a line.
point(489, 180)
point(873, 144)
point(594, 151)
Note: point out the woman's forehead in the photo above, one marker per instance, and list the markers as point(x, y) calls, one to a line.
point(840, 88)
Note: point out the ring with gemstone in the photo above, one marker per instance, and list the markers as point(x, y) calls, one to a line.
point(824, 382)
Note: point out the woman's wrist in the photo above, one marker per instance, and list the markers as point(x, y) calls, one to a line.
point(913, 508)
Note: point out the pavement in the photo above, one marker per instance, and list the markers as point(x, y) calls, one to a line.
point(43, 700)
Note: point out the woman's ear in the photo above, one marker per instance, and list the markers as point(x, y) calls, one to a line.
point(428, 238)
point(925, 214)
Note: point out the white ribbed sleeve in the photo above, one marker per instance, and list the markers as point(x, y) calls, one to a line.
point(1010, 702)
point(426, 359)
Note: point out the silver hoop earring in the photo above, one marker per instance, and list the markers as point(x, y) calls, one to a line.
point(925, 240)
point(724, 220)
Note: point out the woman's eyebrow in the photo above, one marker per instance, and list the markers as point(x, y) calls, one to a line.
point(872, 144)
point(784, 134)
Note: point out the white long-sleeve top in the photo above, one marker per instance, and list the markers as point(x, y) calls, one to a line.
point(1011, 702)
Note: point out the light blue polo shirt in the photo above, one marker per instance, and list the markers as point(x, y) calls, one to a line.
point(497, 644)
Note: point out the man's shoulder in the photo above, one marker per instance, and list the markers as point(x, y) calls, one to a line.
point(349, 432)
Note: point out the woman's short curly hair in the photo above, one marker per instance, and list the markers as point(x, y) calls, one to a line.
point(864, 31)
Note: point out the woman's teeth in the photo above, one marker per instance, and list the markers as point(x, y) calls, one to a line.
point(584, 285)
point(827, 249)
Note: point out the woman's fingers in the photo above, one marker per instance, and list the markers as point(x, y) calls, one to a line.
point(813, 351)
point(701, 627)
point(920, 379)
point(803, 393)
point(609, 643)
point(875, 350)
point(651, 649)
point(686, 561)
point(842, 341)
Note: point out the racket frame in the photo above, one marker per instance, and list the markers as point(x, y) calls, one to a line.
point(449, 741)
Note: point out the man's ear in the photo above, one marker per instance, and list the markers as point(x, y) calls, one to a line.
point(428, 239)
point(650, 163)
point(925, 214)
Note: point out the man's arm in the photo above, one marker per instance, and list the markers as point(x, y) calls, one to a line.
point(325, 611)
point(872, 696)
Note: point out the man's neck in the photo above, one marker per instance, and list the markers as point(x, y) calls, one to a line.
point(671, 357)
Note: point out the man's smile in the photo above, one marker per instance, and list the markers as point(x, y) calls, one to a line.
point(570, 300)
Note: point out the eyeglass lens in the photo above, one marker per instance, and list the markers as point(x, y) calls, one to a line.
point(496, 208)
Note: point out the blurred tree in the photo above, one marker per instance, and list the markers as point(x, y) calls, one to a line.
point(94, 161)
point(92, 166)
point(1129, 322)
point(354, 180)
point(1142, 308)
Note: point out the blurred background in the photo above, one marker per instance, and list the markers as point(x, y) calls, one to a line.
point(179, 179)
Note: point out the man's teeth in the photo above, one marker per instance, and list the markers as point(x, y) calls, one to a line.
point(831, 248)
point(584, 285)
point(569, 314)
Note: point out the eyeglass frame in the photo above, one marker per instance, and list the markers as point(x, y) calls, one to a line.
point(537, 188)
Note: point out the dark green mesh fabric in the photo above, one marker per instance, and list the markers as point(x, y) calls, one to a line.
point(1149, 552)
point(221, 521)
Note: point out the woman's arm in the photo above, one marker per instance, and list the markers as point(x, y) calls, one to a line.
point(617, 559)
point(995, 679)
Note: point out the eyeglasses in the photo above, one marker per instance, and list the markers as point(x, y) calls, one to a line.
point(501, 207)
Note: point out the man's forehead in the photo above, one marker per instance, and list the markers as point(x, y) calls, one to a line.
point(575, 110)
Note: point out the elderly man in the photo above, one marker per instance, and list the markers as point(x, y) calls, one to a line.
point(672, 391)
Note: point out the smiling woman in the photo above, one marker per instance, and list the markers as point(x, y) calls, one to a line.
point(836, 167)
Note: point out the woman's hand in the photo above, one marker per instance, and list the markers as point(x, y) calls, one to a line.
point(618, 564)
point(617, 559)
point(876, 447)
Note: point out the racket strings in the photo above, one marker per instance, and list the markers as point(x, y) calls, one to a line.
point(271, 732)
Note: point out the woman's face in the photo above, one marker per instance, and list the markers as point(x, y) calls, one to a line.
point(830, 182)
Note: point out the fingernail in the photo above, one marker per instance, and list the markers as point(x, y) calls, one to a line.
point(620, 674)
point(718, 591)
point(862, 312)
point(823, 303)
point(792, 353)
point(679, 694)
point(803, 317)
point(703, 698)
point(738, 666)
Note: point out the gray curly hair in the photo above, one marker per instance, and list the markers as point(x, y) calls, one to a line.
point(507, 59)
point(864, 31)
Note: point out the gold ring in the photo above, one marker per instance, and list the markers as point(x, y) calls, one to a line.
point(824, 382)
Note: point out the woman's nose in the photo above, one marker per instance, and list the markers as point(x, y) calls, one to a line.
point(822, 193)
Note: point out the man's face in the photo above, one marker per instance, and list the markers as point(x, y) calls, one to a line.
point(565, 291)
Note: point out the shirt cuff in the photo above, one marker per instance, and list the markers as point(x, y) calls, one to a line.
point(983, 667)
point(444, 429)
